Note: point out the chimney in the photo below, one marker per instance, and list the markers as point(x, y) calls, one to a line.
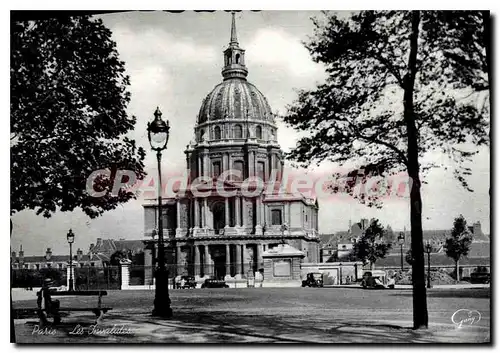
point(99, 241)
point(21, 254)
point(48, 254)
point(79, 254)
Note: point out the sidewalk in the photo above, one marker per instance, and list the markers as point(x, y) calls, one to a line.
point(408, 286)
point(134, 326)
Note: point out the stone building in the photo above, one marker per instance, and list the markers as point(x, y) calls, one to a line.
point(224, 232)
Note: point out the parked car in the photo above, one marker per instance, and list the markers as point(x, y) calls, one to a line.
point(313, 279)
point(480, 275)
point(214, 283)
point(374, 279)
point(188, 282)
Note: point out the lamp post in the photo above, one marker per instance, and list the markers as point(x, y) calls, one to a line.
point(401, 240)
point(158, 133)
point(340, 268)
point(428, 250)
point(71, 239)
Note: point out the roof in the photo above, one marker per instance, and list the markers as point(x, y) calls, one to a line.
point(55, 258)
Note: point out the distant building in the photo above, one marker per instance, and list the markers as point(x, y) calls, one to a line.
point(337, 246)
point(37, 262)
point(99, 255)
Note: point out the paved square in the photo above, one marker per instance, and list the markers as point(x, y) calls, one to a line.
point(268, 315)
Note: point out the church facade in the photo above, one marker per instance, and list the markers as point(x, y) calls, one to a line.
point(240, 208)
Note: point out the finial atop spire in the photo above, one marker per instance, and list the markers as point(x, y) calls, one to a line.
point(234, 37)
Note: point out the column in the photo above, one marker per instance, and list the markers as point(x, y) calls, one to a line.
point(237, 203)
point(180, 268)
point(178, 212)
point(244, 214)
point(204, 213)
point(200, 167)
point(196, 213)
point(226, 212)
point(125, 273)
point(238, 260)
point(258, 216)
point(228, 260)
point(197, 260)
point(259, 251)
point(207, 264)
point(246, 260)
point(206, 166)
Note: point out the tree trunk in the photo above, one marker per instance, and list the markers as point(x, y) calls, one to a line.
point(420, 316)
point(457, 271)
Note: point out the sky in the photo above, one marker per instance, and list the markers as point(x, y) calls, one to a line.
point(174, 61)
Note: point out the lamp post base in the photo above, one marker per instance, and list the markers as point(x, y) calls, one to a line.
point(162, 299)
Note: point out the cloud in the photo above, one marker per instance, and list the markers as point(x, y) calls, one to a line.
point(278, 49)
point(156, 45)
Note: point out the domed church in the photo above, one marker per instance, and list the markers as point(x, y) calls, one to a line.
point(223, 234)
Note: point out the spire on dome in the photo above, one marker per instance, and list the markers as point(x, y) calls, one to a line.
point(234, 37)
point(234, 56)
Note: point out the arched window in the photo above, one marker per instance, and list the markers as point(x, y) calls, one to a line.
point(238, 132)
point(238, 167)
point(217, 133)
point(260, 171)
point(216, 169)
point(237, 58)
point(258, 132)
point(202, 134)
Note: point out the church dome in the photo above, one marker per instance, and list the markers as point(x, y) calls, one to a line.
point(235, 98)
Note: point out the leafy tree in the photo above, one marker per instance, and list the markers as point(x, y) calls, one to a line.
point(371, 246)
point(458, 243)
point(68, 116)
point(117, 257)
point(397, 88)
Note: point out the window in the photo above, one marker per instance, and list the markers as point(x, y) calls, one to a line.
point(60, 265)
point(92, 264)
point(258, 132)
point(216, 169)
point(81, 264)
point(26, 266)
point(217, 133)
point(202, 134)
point(276, 217)
point(49, 265)
point(37, 266)
point(239, 169)
point(237, 58)
point(260, 170)
point(238, 132)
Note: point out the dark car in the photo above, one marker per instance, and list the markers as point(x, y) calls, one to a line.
point(313, 279)
point(189, 282)
point(373, 279)
point(214, 283)
point(480, 275)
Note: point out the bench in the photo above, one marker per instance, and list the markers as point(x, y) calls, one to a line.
point(99, 310)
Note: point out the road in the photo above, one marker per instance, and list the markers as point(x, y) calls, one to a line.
point(302, 315)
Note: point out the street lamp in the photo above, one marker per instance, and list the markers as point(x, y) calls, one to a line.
point(401, 240)
point(428, 250)
point(158, 132)
point(340, 268)
point(71, 239)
